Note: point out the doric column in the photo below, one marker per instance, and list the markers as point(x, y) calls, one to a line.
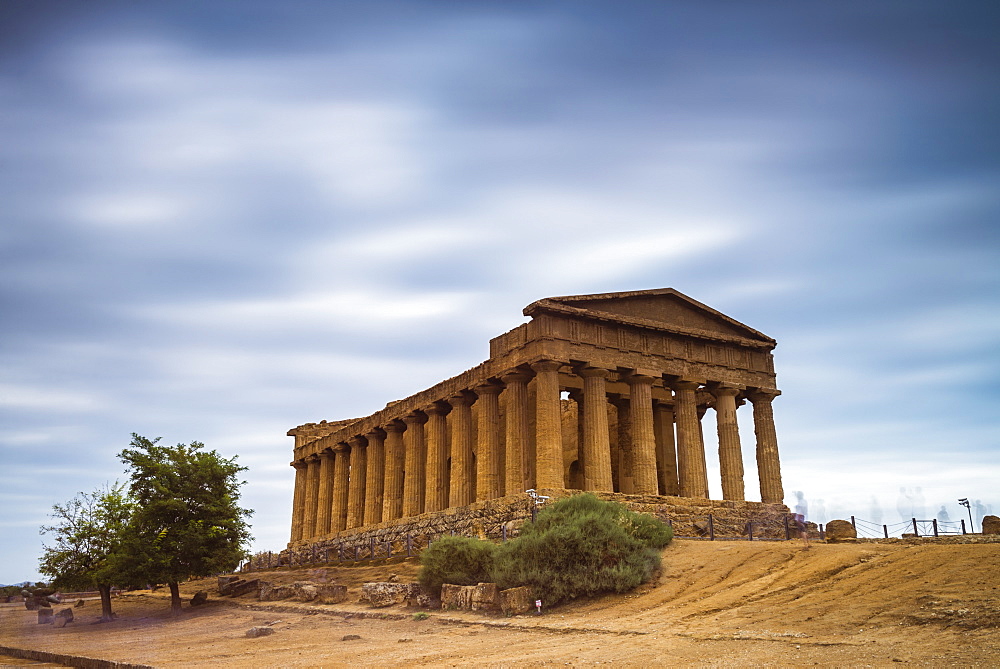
point(356, 493)
point(312, 492)
point(516, 399)
point(460, 488)
point(643, 436)
point(299, 499)
point(375, 477)
point(626, 482)
point(488, 481)
point(768, 464)
point(436, 433)
point(666, 448)
point(730, 454)
point(548, 425)
point(575, 477)
point(341, 472)
point(596, 438)
point(691, 466)
point(324, 501)
point(393, 506)
point(413, 469)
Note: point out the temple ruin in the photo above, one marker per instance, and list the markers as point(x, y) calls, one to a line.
point(603, 393)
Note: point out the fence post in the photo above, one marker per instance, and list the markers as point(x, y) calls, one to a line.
point(885, 528)
point(822, 532)
point(963, 527)
point(750, 530)
point(915, 529)
point(503, 533)
point(788, 531)
point(371, 549)
point(357, 552)
point(854, 524)
point(269, 559)
point(711, 528)
point(934, 521)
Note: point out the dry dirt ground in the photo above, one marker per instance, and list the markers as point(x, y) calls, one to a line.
point(715, 604)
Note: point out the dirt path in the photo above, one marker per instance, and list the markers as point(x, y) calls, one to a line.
point(714, 604)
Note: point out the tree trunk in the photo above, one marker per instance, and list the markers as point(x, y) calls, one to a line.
point(106, 614)
point(175, 599)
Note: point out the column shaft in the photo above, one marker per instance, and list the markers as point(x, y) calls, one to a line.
point(768, 463)
point(312, 492)
point(516, 399)
point(413, 470)
point(626, 481)
point(730, 452)
point(436, 433)
point(358, 480)
point(393, 505)
point(324, 501)
point(460, 489)
point(299, 499)
point(488, 481)
point(666, 449)
point(596, 436)
point(643, 436)
point(375, 477)
point(341, 473)
point(548, 425)
point(693, 472)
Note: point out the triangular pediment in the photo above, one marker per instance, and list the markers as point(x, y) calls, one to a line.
point(663, 308)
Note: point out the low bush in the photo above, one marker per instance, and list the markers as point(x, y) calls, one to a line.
point(457, 560)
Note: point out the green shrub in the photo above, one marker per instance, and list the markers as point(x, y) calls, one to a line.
point(458, 560)
point(581, 546)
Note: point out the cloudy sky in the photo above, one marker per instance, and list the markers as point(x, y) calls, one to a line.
point(224, 219)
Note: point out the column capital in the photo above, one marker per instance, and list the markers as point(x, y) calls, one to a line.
point(461, 399)
point(377, 433)
point(762, 395)
point(342, 447)
point(312, 458)
point(415, 418)
point(593, 372)
point(299, 464)
point(723, 390)
point(488, 388)
point(326, 453)
point(437, 409)
point(357, 442)
point(394, 427)
point(685, 385)
point(546, 366)
point(515, 375)
point(639, 379)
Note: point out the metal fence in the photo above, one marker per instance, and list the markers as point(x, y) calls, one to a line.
point(914, 526)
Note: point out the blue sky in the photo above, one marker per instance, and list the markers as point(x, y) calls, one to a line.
point(225, 219)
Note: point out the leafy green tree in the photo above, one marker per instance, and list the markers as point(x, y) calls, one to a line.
point(187, 521)
point(89, 532)
point(456, 560)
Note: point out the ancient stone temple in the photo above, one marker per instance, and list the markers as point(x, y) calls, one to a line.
point(604, 393)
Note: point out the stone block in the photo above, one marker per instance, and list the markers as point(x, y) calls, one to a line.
point(329, 593)
point(485, 597)
point(456, 597)
point(991, 525)
point(305, 591)
point(840, 530)
point(241, 587)
point(379, 595)
point(225, 582)
point(271, 593)
point(255, 632)
point(514, 601)
point(45, 616)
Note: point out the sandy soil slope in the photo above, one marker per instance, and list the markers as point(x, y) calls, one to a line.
point(714, 604)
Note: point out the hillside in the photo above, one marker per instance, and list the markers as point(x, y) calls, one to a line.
point(713, 604)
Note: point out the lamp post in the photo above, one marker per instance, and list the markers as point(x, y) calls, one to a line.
point(965, 502)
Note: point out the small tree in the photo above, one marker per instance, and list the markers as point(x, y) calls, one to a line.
point(89, 531)
point(456, 560)
point(187, 521)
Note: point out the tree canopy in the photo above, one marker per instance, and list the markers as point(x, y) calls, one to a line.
point(187, 520)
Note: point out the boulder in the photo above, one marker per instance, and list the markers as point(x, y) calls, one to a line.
point(350, 637)
point(79, 603)
point(63, 617)
point(305, 591)
point(255, 632)
point(30, 603)
point(386, 594)
point(991, 525)
point(225, 582)
point(45, 616)
point(485, 597)
point(456, 597)
point(516, 600)
point(199, 598)
point(241, 587)
point(330, 593)
point(840, 530)
point(270, 593)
